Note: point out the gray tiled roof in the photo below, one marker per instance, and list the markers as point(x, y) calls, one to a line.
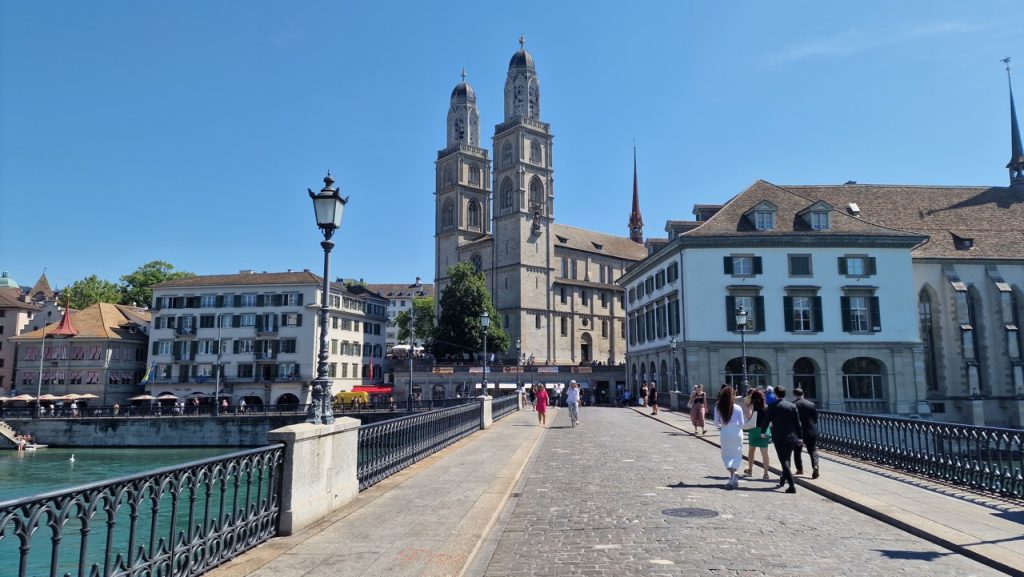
point(403, 290)
point(585, 240)
point(263, 278)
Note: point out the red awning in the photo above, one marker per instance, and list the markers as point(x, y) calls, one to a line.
point(373, 390)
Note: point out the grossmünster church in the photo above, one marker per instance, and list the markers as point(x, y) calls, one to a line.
point(552, 284)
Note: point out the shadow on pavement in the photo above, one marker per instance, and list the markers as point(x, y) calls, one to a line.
point(913, 555)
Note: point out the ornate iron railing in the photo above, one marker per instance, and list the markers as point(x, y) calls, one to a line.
point(176, 521)
point(987, 459)
point(502, 406)
point(390, 446)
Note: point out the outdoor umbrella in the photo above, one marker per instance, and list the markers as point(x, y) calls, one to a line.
point(49, 397)
point(25, 398)
point(86, 396)
point(167, 397)
point(142, 398)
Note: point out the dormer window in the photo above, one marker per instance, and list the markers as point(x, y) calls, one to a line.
point(962, 243)
point(820, 221)
point(764, 220)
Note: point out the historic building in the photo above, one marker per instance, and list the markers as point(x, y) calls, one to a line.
point(99, 350)
point(553, 285)
point(22, 311)
point(878, 298)
point(260, 332)
point(400, 298)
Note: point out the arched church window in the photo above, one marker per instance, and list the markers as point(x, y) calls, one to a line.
point(474, 214)
point(506, 193)
point(474, 174)
point(449, 174)
point(448, 214)
point(927, 329)
point(536, 192)
point(534, 151)
point(506, 154)
point(534, 102)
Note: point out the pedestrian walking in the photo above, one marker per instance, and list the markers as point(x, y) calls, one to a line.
point(542, 406)
point(117, 408)
point(652, 397)
point(642, 399)
point(729, 419)
point(809, 432)
point(757, 421)
point(784, 421)
point(533, 396)
point(698, 409)
point(572, 399)
point(241, 405)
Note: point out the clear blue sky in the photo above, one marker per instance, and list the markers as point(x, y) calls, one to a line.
point(188, 131)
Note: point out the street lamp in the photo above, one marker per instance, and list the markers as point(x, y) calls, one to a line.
point(485, 321)
point(675, 384)
point(328, 206)
point(411, 324)
point(741, 324)
point(519, 368)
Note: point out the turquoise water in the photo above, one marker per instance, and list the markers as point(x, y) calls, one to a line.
point(31, 474)
point(45, 470)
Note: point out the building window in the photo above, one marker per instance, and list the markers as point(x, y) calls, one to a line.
point(805, 377)
point(561, 295)
point(534, 151)
point(799, 265)
point(208, 301)
point(474, 214)
point(742, 265)
point(862, 379)
point(927, 328)
point(536, 192)
point(584, 298)
point(856, 265)
point(506, 154)
point(506, 193)
point(659, 279)
point(474, 174)
point(672, 272)
point(248, 320)
point(861, 313)
point(565, 327)
point(163, 347)
point(802, 313)
point(573, 264)
point(447, 214)
point(537, 321)
point(753, 304)
point(819, 221)
point(764, 220)
point(248, 300)
point(604, 329)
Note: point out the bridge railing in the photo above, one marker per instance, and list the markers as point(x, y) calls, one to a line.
point(181, 520)
point(987, 459)
point(389, 446)
point(502, 406)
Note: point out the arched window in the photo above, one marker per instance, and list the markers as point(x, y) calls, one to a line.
point(474, 174)
point(565, 327)
point(972, 350)
point(757, 373)
point(448, 214)
point(927, 328)
point(449, 177)
point(862, 379)
point(474, 214)
point(805, 376)
point(663, 377)
point(534, 150)
point(506, 193)
point(536, 192)
point(506, 154)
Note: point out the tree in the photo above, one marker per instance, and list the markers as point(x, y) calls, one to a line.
point(92, 290)
point(463, 300)
point(423, 327)
point(137, 287)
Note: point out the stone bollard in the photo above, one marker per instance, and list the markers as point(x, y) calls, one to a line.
point(485, 411)
point(320, 474)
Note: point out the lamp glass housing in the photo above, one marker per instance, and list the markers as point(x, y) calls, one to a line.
point(485, 320)
point(741, 318)
point(329, 208)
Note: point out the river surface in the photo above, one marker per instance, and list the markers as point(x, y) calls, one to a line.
point(45, 470)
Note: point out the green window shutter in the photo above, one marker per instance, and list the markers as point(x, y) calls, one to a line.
point(235, 347)
point(300, 299)
point(195, 348)
point(236, 320)
point(842, 265)
point(787, 312)
point(876, 315)
point(730, 313)
point(156, 347)
point(238, 301)
point(216, 347)
point(176, 348)
point(298, 320)
point(276, 301)
point(759, 314)
point(819, 323)
point(757, 265)
point(259, 300)
point(871, 267)
point(727, 264)
point(171, 321)
point(844, 303)
point(219, 301)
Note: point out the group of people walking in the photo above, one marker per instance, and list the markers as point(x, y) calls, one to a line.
point(766, 417)
point(648, 396)
point(539, 399)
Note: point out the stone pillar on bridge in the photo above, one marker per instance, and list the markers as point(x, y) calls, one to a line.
point(485, 411)
point(320, 474)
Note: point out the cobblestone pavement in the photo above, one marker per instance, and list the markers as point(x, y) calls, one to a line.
point(593, 503)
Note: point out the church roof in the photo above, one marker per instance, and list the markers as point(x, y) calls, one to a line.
point(101, 320)
point(596, 242)
point(41, 290)
point(10, 298)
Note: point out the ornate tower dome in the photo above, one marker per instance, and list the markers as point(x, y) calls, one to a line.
point(522, 88)
point(463, 116)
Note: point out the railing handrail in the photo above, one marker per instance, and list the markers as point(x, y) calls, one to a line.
point(920, 421)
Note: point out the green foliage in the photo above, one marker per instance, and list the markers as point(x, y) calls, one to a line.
point(463, 300)
point(92, 290)
point(423, 327)
point(137, 286)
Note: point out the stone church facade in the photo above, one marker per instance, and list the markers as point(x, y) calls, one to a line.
point(553, 285)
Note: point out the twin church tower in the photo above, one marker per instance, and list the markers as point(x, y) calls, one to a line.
point(552, 284)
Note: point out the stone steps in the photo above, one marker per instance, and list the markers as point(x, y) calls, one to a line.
point(7, 436)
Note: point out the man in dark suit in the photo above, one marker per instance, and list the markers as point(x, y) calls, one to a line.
point(784, 421)
point(809, 431)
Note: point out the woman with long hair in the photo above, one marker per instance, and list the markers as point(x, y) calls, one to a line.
point(729, 419)
point(755, 422)
point(698, 409)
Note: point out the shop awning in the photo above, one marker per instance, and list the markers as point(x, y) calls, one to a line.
point(372, 389)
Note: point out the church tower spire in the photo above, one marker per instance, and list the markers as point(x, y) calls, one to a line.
point(1016, 164)
point(636, 221)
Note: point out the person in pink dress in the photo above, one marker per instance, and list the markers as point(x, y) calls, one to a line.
point(541, 403)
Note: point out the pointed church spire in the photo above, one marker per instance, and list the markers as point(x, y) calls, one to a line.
point(1016, 164)
point(66, 329)
point(636, 221)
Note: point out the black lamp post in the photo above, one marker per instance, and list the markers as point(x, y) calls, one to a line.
point(411, 345)
point(329, 207)
point(672, 344)
point(485, 321)
point(741, 324)
point(519, 368)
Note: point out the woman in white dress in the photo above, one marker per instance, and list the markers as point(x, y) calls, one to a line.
point(729, 419)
